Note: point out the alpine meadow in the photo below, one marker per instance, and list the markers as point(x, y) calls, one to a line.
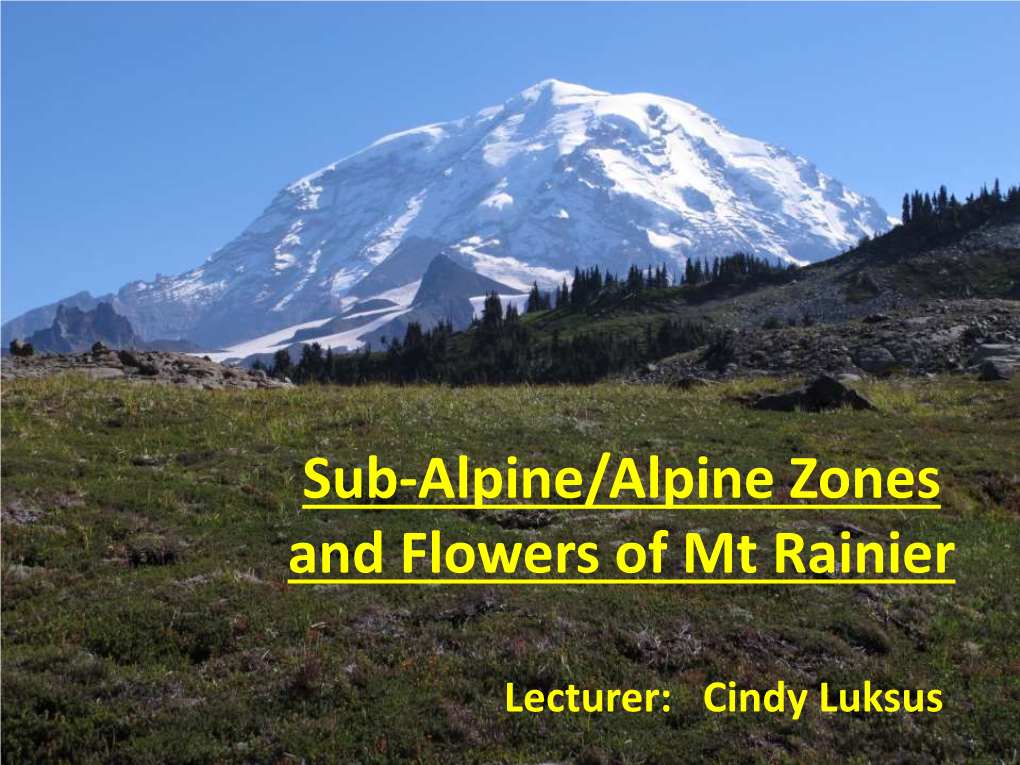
point(579, 428)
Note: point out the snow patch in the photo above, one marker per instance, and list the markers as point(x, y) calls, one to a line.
point(351, 339)
point(402, 295)
point(668, 241)
point(478, 302)
point(283, 257)
point(342, 281)
point(391, 237)
point(265, 344)
point(498, 200)
point(508, 270)
point(313, 266)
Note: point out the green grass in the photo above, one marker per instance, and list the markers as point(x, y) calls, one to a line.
point(215, 658)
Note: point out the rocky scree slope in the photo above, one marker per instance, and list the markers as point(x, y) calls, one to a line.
point(944, 336)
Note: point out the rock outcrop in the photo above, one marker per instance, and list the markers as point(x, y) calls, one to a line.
point(823, 393)
point(141, 367)
point(74, 330)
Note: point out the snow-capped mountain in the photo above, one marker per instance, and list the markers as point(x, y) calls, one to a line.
point(556, 177)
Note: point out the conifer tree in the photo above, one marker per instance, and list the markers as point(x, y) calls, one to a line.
point(282, 364)
point(535, 302)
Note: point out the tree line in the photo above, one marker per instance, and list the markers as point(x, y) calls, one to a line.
point(740, 266)
point(497, 349)
point(919, 209)
point(591, 285)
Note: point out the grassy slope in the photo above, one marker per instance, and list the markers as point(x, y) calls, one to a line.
point(215, 658)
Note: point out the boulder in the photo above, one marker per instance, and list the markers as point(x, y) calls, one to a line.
point(778, 402)
point(875, 359)
point(839, 527)
point(994, 370)
point(128, 358)
point(21, 348)
point(99, 347)
point(146, 364)
point(1006, 351)
point(824, 393)
point(149, 368)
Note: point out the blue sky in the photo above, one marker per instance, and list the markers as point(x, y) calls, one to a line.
point(139, 137)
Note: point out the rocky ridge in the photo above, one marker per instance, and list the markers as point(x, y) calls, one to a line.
point(75, 330)
point(145, 367)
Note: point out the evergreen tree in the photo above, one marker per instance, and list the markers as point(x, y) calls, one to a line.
point(535, 301)
point(689, 272)
point(282, 364)
point(492, 313)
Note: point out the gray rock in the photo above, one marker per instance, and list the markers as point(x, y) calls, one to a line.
point(149, 367)
point(996, 351)
point(824, 393)
point(142, 367)
point(994, 370)
point(875, 359)
point(838, 527)
point(128, 358)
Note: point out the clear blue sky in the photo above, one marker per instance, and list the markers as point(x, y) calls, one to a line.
point(139, 137)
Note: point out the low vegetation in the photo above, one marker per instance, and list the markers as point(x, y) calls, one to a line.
point(147, 618)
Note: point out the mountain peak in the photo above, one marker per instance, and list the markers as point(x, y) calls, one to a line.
point(558, 89)
point(446, 278)
point(557, 177)
point(74, 330)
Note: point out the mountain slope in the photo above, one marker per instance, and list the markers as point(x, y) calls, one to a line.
point(448, 291)
point(942, 297)
point(556, 177)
